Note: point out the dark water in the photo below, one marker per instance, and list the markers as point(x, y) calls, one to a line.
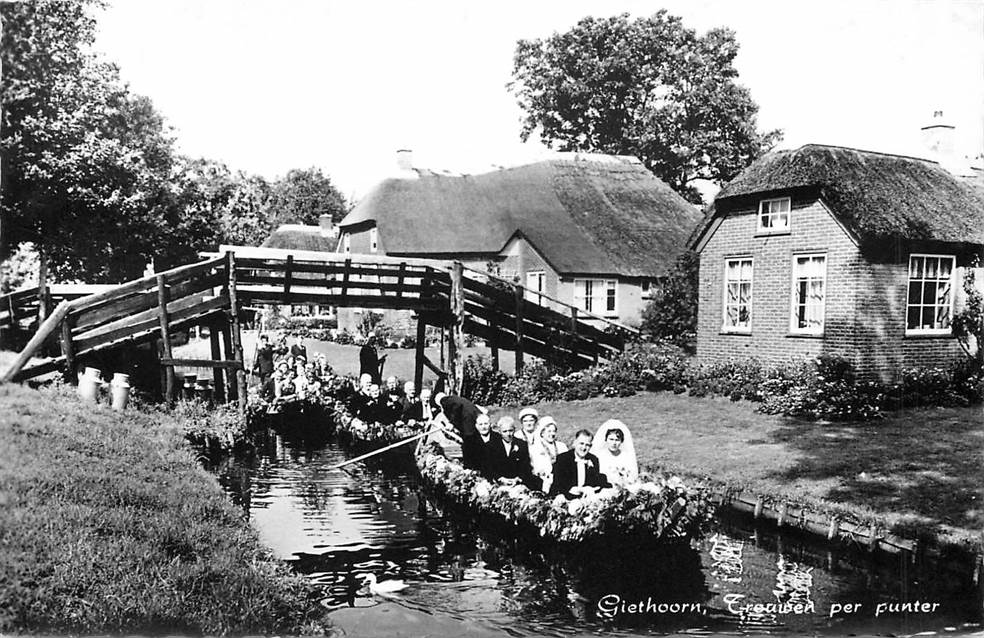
point(335, 527)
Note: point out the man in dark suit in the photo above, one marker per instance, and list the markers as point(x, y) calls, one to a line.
point(477, 450)
point(369, 360)
point(422, 410)
point(510, 460)
point(459, 411)
point(576, 472)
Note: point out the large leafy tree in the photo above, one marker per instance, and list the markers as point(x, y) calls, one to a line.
point(302, 196)
point(648, 87)
point(87, 165)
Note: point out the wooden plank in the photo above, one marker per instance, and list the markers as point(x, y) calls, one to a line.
point(144, 284)
point(287, 274)
point(318, 285)
point(456, 341)
point(237, 338)
point(151, 316)
point(218, 378)
point(250, 297)
point(277, 270)
point(130, 305)
point(544, 333)
point(246, 254)
point(162, 318)
point(518, 324)
point(201, 363)
point(177, 311)
point(44, 331)
point(68, 348)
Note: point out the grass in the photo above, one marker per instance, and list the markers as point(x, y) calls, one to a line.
point(344, 359)
point(919, 472)
point(110, 525)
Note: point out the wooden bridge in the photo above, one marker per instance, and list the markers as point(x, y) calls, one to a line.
point(447, 295)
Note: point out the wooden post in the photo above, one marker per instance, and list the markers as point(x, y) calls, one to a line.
point(758, 507)
point(68, 349)
point(161, 357)
point(345, 279)
point(456, 341)
point(217, 373)
point(783, 510)
point(165, 338)
point(495, 348)
point(399, 280)
point(44, 331)
point(232, 392)
point(418, 363)
point(287, 278)
point(518, 294)
point(237, 337)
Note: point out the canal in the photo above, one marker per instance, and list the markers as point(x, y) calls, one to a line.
point(336, 527)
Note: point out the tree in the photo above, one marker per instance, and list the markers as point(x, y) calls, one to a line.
point(87, 165)
point(301, 197)
point(672, 312)
point(647, 87)
point(244, 219)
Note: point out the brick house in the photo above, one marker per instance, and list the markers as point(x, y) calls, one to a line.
point(830, 250)
point(597, 231)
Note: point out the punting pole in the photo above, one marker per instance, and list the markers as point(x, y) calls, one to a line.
point(385, 449)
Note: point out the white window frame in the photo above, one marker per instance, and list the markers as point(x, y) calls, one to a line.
point(535, 294)
point(346, 242)
point(794, 327)
point(725, 327)
point(774, 230)
point(953, 295)
point(373, 240)
point(599, 293)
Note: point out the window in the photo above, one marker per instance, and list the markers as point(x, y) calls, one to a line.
point(346, 243)
point(930, 305)
point(373, 240)
point(536, 282)
point(599, 296)
point(809, 292)
point(774, 215)
point(738, 295)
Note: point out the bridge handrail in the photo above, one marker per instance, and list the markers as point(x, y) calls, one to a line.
point(580, 311)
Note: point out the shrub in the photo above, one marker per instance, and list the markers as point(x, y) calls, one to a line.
point(481, 384)
point(736, 379)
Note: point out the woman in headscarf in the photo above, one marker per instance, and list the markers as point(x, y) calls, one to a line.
point(616, 453)
point(544, 449)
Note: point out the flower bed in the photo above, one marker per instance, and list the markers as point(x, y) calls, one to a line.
point(661, 510)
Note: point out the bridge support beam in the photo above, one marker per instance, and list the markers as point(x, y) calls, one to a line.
point(237, 337)
point(456, 335)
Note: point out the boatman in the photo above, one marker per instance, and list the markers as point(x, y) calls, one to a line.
point(459, 412)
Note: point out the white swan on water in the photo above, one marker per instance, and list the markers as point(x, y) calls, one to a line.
point(384, 587)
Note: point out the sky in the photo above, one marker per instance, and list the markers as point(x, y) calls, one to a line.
point(269, 86)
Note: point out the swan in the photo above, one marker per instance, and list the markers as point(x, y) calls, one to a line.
point(384, 587)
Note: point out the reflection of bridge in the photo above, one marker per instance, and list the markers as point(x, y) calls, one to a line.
point(444, 294)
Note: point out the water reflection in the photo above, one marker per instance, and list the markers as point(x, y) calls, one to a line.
point(337, 526)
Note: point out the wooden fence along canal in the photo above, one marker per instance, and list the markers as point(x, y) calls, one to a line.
point(211, 293)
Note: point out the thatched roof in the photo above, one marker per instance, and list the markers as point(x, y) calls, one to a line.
point(876, 195)
point(300, 237)
point(584, 213)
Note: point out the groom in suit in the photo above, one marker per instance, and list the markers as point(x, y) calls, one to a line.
point(511, 458)
point(576, 472)
point(478, 450)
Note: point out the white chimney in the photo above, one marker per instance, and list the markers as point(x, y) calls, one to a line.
point(328, 227)
point(938, 136)
point(404, 159)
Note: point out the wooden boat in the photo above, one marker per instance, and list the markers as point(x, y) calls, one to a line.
point(658, 511)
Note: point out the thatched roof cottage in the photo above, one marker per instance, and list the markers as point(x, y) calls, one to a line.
point(831, 250)
point(597, 231)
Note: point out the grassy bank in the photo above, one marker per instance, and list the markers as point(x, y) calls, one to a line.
point(109, 525)
point(919, 471)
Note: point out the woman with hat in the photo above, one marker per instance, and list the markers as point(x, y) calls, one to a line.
point(544, 448)
point(527, 419)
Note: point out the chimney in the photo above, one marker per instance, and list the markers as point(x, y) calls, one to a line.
point(938, 138)
point(328, 227)
point(404, 159)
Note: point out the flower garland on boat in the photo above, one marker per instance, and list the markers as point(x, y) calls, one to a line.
point(374, 434)
point(660, 507)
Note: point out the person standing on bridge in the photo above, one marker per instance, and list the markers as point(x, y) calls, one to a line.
point(369, 360)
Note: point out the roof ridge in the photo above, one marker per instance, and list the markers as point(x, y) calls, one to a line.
point(861, 150)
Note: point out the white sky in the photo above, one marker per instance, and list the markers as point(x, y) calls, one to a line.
point(269, 86)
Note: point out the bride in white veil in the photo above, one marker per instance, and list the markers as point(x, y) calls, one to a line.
point(616, 453)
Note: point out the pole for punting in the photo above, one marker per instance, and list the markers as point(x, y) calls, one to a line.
point(237, 337)
point(386, 449)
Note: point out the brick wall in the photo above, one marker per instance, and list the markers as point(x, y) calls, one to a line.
point(865, 298)
point(812, 230)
